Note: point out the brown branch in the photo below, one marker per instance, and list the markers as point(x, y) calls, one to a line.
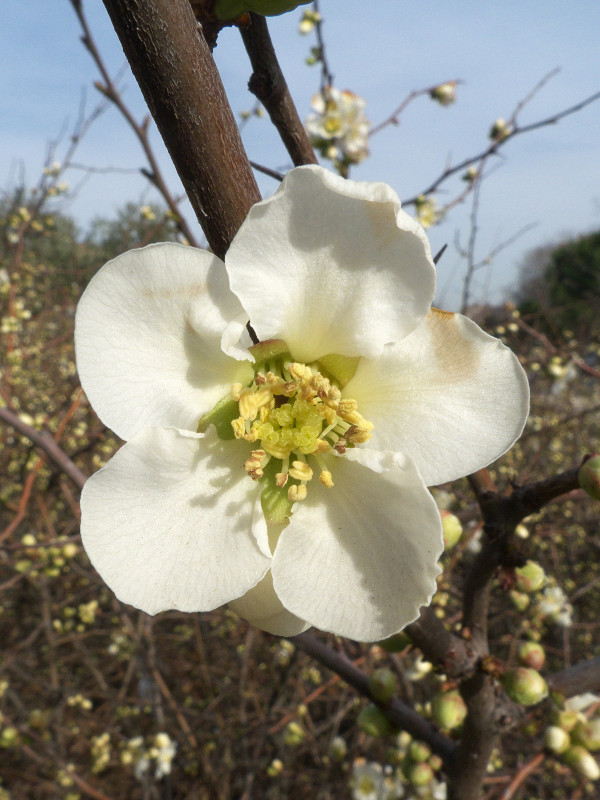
point(581, 678)
point(46, 443)
point(181, 85)
point(398, 713)
point(268, 85)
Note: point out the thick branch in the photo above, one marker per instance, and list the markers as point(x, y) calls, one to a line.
point(398, 713)
point(583, 677)
point(268, 84)
point(182, 87)
point(455, 655)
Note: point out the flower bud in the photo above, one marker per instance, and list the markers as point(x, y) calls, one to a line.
point(519, 600)
point(565, 719)
point(556, 739)
point(448, 710)
point(587, 734)
point(339, 748)
point(500, 130)
point(419, 751)
point(589, 477)
point(525, 686)
point(373, 721)
point(420, 775)
point(451, 529)
point(435, 762)
point(444, 94)
point(532, 654)
point(582, 762)
point(530, 578)
point(294, 734)
point(383, 685)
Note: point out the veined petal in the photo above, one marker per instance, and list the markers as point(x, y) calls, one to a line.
point(168, 522)
point(261, 607)
point(450, 396)
point(360, 559)
point(148, 338)
point(331, 266)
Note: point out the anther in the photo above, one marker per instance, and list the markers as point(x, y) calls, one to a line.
point(297, 492)
point(301, 471)
point(326, 479)
point(247, 404)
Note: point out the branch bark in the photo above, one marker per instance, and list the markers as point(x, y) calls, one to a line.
point(268, 84)
point(181, 85)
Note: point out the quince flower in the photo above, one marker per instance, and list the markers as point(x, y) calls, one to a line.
point(287, 479)
point(338, 128)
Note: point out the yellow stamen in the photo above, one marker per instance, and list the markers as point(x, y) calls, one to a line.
point(301, 471)
point(297, 492)
point(326, 479)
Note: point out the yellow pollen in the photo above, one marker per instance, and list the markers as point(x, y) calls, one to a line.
point(294, 412)
point(326, 479)
point(301, 471)
point(297, 492)
point(247, 404)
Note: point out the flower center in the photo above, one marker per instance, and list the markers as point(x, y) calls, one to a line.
point(294, 412)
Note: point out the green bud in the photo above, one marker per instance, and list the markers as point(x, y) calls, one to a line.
point(383, 685)
point(582, 762)
point(294, 735)
point(451, 529)
point(435, 762)
point(232, 9)
point(519, 600)
point(419, 751)
point(556, 739)
point(448, 710)
point(339, 748)
point(420, 775)
point(373, 721)
point(525, 686)
point(587, 734)
point(530, 578)
point(564, 718)
point(532, 654)
point(589, 477)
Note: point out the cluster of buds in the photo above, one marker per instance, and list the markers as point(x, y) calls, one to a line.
point(338, 127)
point(428, 212)
point(574, 736)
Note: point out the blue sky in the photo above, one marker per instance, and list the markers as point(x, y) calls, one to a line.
point(499, 49)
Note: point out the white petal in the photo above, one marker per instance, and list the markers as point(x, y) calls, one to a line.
point(360, 559)
point(168, 522)
point(148, 338)
point(331, 266)
point(450, 396)
point(261, 607)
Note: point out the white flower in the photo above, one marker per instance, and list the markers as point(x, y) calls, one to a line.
point(163, 752)
point(552, 603)
point(371, 782)
point(338, 127)
point(337, 281)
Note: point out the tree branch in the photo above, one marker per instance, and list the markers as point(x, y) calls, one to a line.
point(268, 85)
point(182, 87)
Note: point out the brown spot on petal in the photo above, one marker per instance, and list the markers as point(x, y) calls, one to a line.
point(456, 352)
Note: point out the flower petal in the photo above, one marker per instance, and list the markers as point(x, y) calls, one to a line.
point(450, 396)
point(331, 266)
point(360, 559)
point(148, 338)
point(168, 522)
point(261, 607)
